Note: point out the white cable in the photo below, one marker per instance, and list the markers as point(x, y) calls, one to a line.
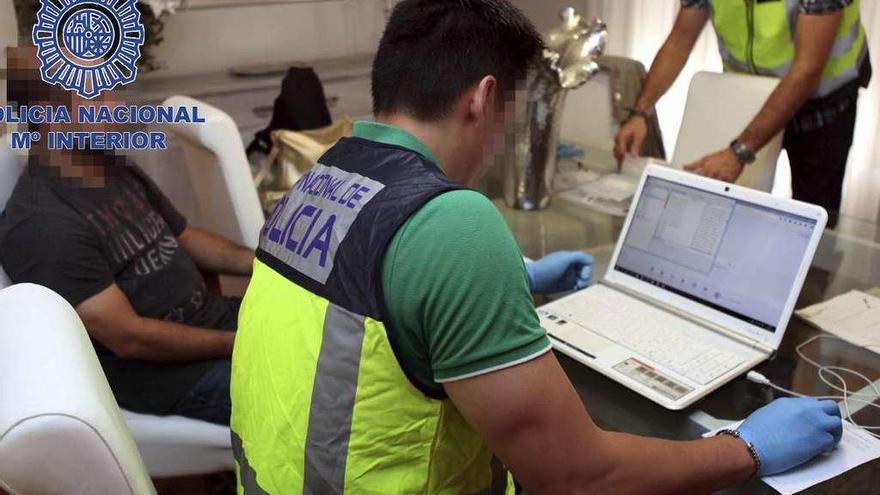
point(823, 372)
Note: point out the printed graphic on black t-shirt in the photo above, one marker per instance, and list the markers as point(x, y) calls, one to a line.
point(143, 252)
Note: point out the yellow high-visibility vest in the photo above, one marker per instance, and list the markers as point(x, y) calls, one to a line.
point(320, 403)
point(757, 37)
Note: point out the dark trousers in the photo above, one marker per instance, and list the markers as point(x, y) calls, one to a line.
point(209, 399)
point(818, 162)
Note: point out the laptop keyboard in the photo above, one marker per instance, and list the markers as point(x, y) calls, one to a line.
point(648, 331)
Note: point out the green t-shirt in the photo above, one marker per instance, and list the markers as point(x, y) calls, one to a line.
point(455, 285)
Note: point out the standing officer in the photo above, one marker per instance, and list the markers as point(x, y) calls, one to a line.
point(388, 342)
point(817, 48)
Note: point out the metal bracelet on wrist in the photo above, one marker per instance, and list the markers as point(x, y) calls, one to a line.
point(635, 112)
point(752, 451)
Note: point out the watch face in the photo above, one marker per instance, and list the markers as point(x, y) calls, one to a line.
point(743, 154)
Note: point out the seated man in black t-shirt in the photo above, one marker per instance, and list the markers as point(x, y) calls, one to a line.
point(95, 229)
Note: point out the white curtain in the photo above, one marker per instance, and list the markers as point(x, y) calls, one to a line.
point(861, 191)
point(637, 28)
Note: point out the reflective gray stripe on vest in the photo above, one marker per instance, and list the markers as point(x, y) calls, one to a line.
point(828, 86)
point(333, 396)
point(247, 475)
point(842, 45)
point(740, 66)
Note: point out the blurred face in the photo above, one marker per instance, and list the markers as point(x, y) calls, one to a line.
point(107, 98)
point(483, 144)
point(84, 166)
point(506, 118)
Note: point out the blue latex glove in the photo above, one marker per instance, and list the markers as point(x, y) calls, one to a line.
point(560, 271)
point(789, 432)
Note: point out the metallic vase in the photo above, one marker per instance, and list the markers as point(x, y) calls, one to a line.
point(568, 62)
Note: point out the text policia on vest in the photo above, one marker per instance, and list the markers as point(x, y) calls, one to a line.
point(303, 221)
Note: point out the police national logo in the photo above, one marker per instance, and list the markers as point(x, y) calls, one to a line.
point(88, 46)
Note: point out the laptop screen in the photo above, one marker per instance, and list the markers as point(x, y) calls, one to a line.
point(736, 257)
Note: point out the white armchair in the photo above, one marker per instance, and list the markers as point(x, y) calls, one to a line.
point(219, 173)
point(718, 108)
point(61, 431)
point(228, 205)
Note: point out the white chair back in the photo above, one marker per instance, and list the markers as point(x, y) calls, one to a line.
point(11, 166)
point(60, 428)
point(220, 174)
point(588, 117)
point(718, 108)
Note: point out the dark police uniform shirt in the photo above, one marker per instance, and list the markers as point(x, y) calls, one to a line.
point(78, 241)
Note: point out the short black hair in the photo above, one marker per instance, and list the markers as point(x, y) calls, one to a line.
point(433, 50)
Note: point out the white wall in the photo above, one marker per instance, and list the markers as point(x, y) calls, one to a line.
point(215, 39)
point(545, 13)
point(8, 38)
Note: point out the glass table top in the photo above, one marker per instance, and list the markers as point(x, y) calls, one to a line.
point(847, 258)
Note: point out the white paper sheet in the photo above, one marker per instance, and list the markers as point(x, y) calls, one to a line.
point(854, 317)
point(611, 187)
point(611, 193)
point(565, 181)
point(634, 166)
point(856, 447)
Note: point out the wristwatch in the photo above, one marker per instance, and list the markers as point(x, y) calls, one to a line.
point(744, 154)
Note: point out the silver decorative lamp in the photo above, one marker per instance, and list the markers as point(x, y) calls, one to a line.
point(568, 62)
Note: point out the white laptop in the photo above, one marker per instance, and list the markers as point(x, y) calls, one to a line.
point(700, 289)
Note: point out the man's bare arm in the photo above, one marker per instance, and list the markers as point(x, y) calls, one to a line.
point(214, 253)
point(814, 39)
point(673, 56)
point(535, 422)
point(111, 320)
point(666, 67)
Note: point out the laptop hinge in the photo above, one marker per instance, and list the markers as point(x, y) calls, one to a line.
point(747, 341)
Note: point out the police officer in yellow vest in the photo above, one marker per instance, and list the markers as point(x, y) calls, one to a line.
point(818, 50)
point(388, 342)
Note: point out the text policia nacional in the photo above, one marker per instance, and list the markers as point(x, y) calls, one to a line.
point(97, 114)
